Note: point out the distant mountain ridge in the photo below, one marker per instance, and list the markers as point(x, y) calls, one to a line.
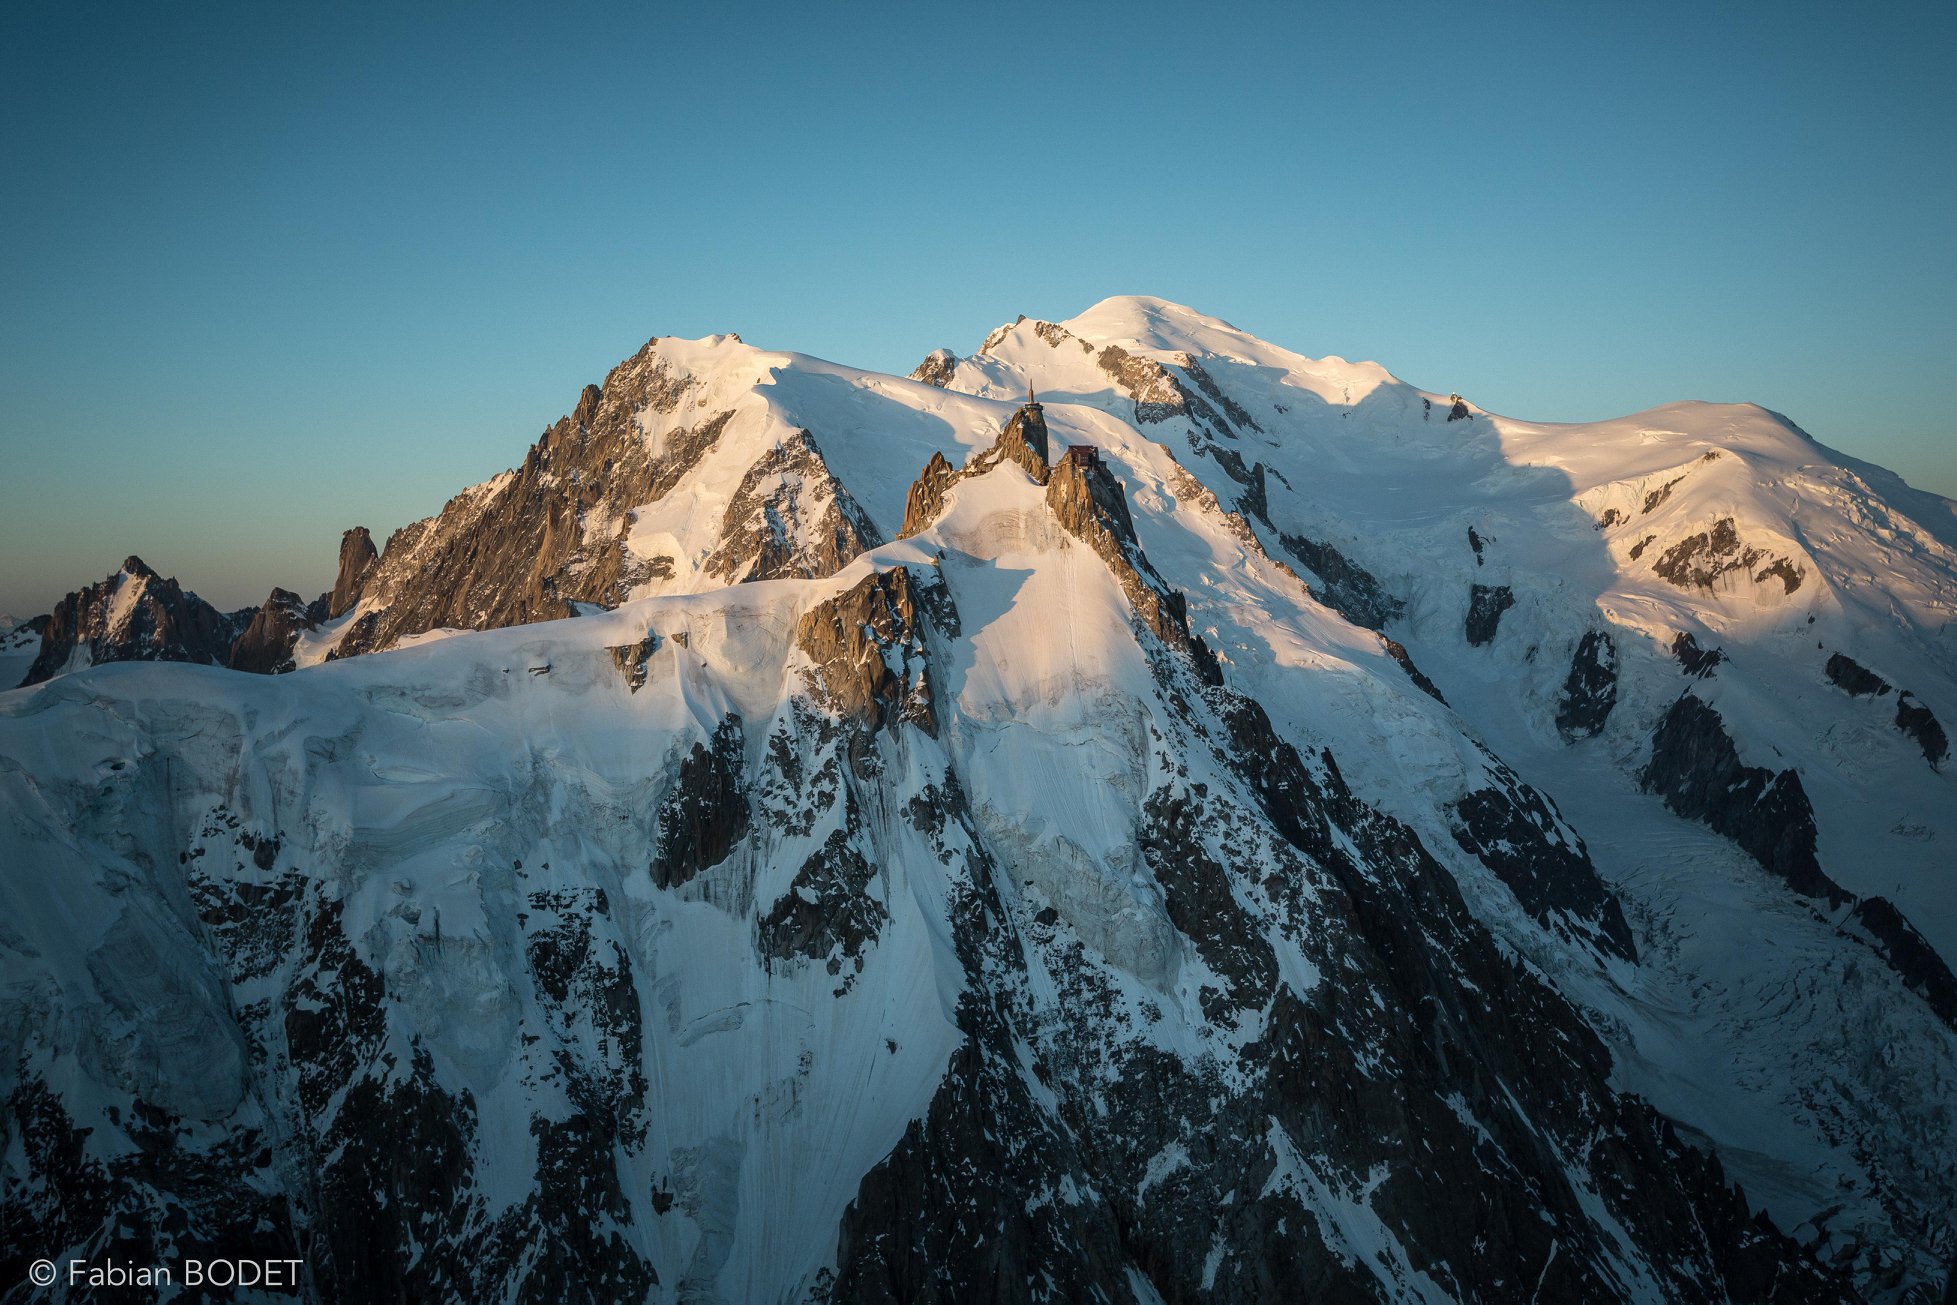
point(136, 615)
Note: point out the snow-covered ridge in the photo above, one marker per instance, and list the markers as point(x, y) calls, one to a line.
point(821, 885)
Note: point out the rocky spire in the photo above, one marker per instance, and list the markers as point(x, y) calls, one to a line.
point(357, 561)
point(1092, 505)
point(1025, 440)
point(265, 648)
point(937, 368)
point(133, 615)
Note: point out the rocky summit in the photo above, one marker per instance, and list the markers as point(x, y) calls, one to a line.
point(1129, 814)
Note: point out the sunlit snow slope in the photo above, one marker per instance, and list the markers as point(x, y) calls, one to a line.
point(805, 834)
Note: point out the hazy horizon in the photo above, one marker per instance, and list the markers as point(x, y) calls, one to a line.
point(276, 274)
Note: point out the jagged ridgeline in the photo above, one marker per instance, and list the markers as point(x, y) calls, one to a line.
point(1133, 814)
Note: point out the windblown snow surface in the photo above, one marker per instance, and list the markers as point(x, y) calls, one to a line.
point(931, 919)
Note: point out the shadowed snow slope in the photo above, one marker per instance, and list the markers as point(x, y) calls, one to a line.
point(1317, 839)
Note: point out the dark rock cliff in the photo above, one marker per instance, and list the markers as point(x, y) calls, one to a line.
point(551, 533)
point(357, 562)
point(1697, 770)
point(1853, 678)
point(1512, 829)
point(1590, 692)
point(1486, 603)
point(1160, 395)
point(1909, 954)
point(1917, 721)
point(706, 811)
point(828, 913)
point(1088, 1156)
point(265, 648)
point(632, 658)
point(867, 659)
point(1912, 717)
point(1344, 586)
point(133, 615)
point(764, 533)
point(1091, 505)
point(1023, 442)
point(936, 369)
point(1697, 662)
point(1699, 561)
point(926, 498)
point(1398, 653)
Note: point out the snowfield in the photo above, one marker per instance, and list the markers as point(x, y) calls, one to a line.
point(1311, 850)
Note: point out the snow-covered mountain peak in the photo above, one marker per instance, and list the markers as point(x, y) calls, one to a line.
point(1191, 807)
point(1144, 322)
point(1159, 328)
point(133, 614)
point(1146, 360)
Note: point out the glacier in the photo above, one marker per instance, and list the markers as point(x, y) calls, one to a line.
point(1305, 847)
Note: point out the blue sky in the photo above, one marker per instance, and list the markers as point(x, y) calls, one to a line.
point(268, 271)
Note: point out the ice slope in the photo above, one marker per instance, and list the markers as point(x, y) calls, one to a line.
point(439, 855)
point(711, 964)
point(467, 821)
point(451, 799)
point(1750, 1019)
point(1358, 460)
point(1344, 454)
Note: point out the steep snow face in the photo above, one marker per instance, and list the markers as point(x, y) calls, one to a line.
point(1721, 522)
point(1150, 361)
point(487, 964)
point(409, 913)
point(1495, 551)
point(1198, 860)
point(1049, 725)
point(698, 463)
point(1160, 329)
